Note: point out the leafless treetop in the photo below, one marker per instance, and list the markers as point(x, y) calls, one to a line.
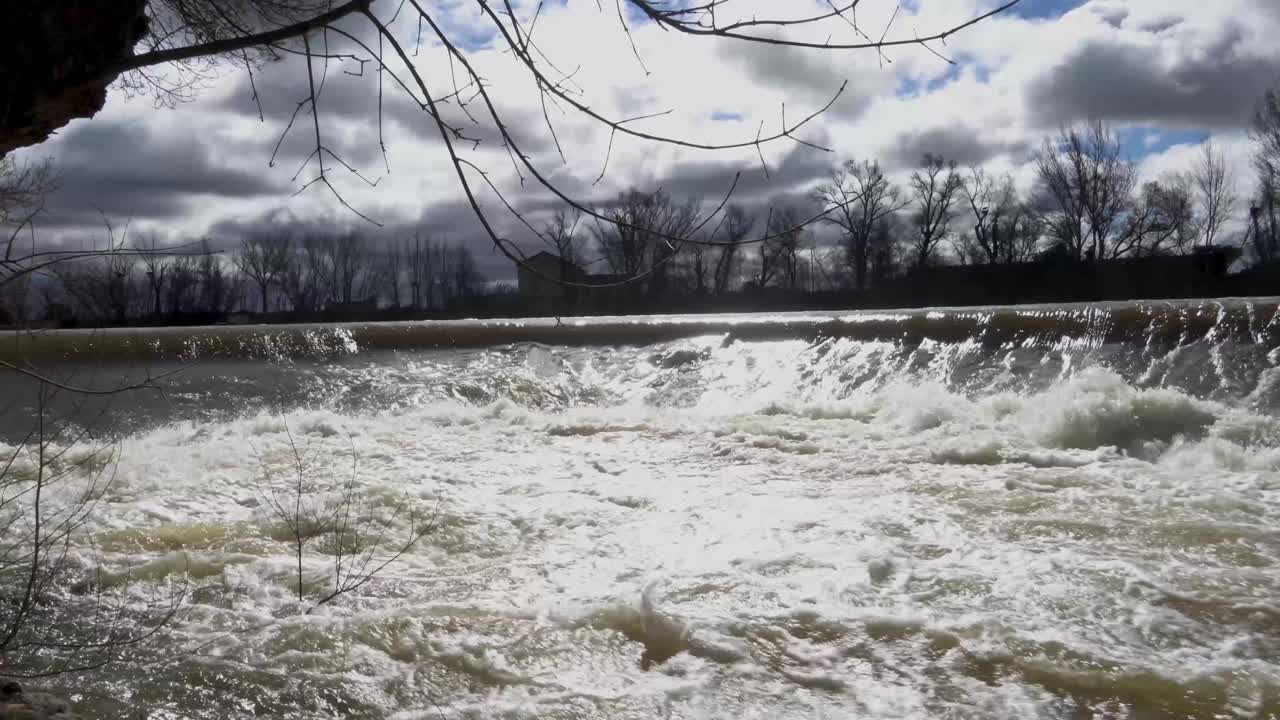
point(381, 40)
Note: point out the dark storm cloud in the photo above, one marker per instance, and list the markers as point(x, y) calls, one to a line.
point(1128, 83)
point(455, 221)
point(811, 77)
point(349, 110)
point(786, 187)
point(282, 85)
point(356, 145)
point(961, 144)
point(1114, 17)
point(800, 166)
point(1162, 25)
point(227, 233)
point(348, 89)
point(1268, 7)
point(125, 171)
point(451, 221)
point(700, 181)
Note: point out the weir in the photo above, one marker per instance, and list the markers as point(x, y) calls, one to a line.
point(1131, 322)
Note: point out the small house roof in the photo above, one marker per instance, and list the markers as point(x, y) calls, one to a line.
point(546, 259)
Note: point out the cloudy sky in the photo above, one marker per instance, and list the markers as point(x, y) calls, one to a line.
point(1168, 74)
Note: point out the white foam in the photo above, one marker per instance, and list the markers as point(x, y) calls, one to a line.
point(871, 550)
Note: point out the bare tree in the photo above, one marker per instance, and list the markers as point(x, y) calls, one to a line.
point(1264, 221)
point(1264, 208)
point(935, 188)
point(350, 260)
point(463, 277)
point(884, 251)
point(16, 301)
point(636, 240)
point(737, 225)
point(1003, 231)
point(307, 280)
point(1163, 219)
point(1266, 134)
point(768, 262)
point(217, 287)
point(105, 287)
point(381, 282)
point(563, 236)
point(780, 255)
point(184, 284)
point(319, 505)
point(1215, 193)
point(390, 274)
point(155, 267)
point(59, 615)
point(697, 270)
point(827, 263)
point(862, 197)
point(421, 259)
point(23, 189)
point(174, 278)
point(1088, 190)
point(563, 241)
point(263, 257)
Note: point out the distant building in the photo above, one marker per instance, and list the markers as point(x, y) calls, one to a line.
point(550, 284)
point(58, 314)
point(543, 277)
point(348, 311)
point(354, 306)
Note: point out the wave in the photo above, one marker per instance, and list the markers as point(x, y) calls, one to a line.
point(1122, 375)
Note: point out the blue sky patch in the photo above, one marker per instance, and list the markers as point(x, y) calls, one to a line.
point(726, 116)
point(908, 87)
point(952, 73)
point(911, 87)
point(1045, 9)
point(468, 36)
point(1139, 142)
point(634, 15)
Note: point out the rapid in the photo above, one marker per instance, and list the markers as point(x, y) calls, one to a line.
point(1055, 511)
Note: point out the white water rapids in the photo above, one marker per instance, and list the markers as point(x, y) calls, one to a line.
point(704, 528)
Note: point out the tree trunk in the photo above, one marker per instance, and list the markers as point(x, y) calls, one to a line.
point(860, 265)
point(52, 59)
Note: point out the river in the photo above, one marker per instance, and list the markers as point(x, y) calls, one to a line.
point(1060, 512)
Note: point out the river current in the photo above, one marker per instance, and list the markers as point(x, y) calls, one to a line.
point(1061, 512)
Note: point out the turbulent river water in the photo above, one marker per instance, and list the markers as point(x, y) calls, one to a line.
point(1061, 512)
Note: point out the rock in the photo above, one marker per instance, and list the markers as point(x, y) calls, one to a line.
point(880, 570)
point(678, 358)
point(19, 704)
